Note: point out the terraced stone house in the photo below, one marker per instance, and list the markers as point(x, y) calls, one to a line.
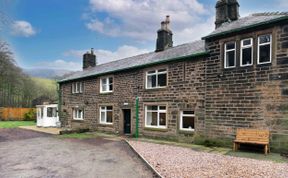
point(235, 77)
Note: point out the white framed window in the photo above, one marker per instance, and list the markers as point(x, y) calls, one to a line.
point(77, 87)
point(106, 114)
point(187, 120)
point(246, 53)
point(264, 49)
point(230, 55)
point(106, 85)
point(155, 116)
point(78, 114)
point(156, 79)
point(51, 112)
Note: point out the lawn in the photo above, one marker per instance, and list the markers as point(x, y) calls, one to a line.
point(15, 124)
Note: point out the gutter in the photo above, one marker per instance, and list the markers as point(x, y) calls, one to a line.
point(136, 67)
point(246, 28)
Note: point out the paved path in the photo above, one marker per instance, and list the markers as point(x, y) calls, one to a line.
point(25, 153)
point(49, 130)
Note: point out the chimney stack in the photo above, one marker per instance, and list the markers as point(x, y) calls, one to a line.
point(226, 11)
point(89, 59)
point(164, 39)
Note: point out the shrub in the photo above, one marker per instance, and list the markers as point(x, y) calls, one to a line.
point(30, 115)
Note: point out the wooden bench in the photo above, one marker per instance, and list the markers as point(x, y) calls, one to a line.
point(252, 136)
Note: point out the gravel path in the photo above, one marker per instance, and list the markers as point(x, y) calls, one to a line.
point(171, 161)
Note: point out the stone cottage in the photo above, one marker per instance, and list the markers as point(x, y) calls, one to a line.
point(235, 77)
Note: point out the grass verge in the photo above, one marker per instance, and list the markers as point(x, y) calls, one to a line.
point(15, 124)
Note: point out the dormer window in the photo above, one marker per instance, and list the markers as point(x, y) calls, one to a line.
point(77, 87)
point(230, 55)
point(156, 79)
point(264, 49)
point(246, 58)
point(106, 85)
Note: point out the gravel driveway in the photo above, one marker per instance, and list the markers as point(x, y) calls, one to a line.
point(171, 161)
point(26, 153)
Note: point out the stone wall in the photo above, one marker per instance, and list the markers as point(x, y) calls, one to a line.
point(185, 90)
point(248, 97)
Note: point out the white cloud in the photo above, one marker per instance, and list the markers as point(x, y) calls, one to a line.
point(140, 19)
point(22, 28)
point(60, 64)
point(104, 56)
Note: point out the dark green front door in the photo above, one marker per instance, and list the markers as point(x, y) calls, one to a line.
point(127, 121)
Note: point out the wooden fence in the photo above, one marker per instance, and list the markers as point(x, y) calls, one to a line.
point(15, 114)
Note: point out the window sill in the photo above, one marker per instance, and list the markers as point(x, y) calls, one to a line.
point(191, 132)
point(106, 124)
point(77, 120)
point(156, 129)
point(106, 93)
point(155, 89)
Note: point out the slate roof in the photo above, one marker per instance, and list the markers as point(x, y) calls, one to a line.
point(196, 48)
point(250, 21)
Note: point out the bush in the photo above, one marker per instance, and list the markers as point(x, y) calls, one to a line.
point(30, 115)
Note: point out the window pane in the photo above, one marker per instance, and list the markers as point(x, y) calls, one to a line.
point(188, 112)
point(162, 121)
point(109, 116)
point(246, 42)
point(230, 46)
point(264, 39)
point(230, 59)
point(247, 56)
point(102, 117)
point(188, 122)
point(103, 108)
point(109, 107)
point(104, 87)
point(78, 86)
point(110, 80)
point(49, 112)
point(111, 87)
point(152, 72)
point(162, 80)
point(149, 81)
point(162, 107)
point(151, 119)
point(54, 112)
point(80, 114)
point(264, 55)
point(153, 81)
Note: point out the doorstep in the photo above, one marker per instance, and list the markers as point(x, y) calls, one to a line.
point(49, 130)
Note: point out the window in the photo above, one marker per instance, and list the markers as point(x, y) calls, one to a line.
point(77, 114)
point(246, 52)
point(77, 87)
point(51, 112)
point(187, 120)
point(230, 55)
point(264, 49)
point(156, 79)
point(106, 85)
point(155, 116)
point(40, 112)
point(106, 114)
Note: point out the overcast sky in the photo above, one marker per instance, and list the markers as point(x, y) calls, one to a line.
point(55, 34)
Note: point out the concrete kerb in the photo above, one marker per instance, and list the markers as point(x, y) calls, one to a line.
point(143, 159)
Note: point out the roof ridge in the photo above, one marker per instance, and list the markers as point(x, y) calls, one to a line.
point(269, 13)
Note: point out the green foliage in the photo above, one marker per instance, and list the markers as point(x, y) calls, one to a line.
point(18, 89)
point(78, 135)
point(15, 124)
point(30, 116)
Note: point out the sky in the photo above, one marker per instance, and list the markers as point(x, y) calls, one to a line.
point(55, 34)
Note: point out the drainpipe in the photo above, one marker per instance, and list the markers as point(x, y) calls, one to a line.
point(59, 101)
point(137, 118)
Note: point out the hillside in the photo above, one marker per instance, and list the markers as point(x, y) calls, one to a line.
point(46, 73)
